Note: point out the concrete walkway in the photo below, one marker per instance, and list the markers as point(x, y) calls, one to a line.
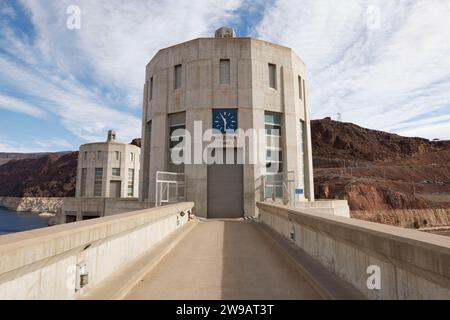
point(225, 260)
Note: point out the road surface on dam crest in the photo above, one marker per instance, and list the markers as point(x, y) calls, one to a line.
point(225, 259)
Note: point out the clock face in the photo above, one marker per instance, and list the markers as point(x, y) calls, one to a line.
point(225, 120)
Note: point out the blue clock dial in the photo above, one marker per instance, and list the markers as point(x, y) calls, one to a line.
point(225, 120)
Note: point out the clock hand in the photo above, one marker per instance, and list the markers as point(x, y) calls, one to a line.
point(224, 121)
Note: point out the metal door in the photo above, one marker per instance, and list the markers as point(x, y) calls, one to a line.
point(225, 190)
point(114, 189)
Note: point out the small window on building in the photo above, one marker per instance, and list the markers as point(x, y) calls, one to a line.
point(130, 182)
point(98, 182)
point(117, 155)
point(272, 76)
point(301, 144)
point(177, 124)
point(99, 155)
point(116, 172)
point(304, 88)
point(300, 88)
point(151, 88)
point(83, 182)
point(274, 152)
point(177, 77)
point(224, 71)
point(85, 155)
point(131, 156)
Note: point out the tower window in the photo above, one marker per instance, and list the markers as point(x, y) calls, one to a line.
point(177, 76)
point(224, 71)
point(272, 76)
point(177, 124)
point(301, 144)
point(151, 89)
point(116, 172)
point(83, 182)
point(98, 182)
point(130, 182)
point(300, 88)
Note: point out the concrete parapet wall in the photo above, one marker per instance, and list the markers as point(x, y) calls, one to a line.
point(101, 206)
point(41, 264)
point(413, 264)
point(331, 207)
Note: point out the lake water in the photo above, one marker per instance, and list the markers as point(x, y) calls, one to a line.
point(11, 221)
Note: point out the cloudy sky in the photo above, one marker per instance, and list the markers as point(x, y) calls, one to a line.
point(381, 64)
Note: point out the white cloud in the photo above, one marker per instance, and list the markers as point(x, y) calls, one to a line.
point(54, 144)
point(12, 145)
point(383, 78)
point(16, 105)
point(388, 78)
point(92, 78)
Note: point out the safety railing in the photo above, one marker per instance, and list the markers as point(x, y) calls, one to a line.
point(170, 188)
point(279, 186)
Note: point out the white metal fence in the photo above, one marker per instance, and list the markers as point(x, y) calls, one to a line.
point(277, 186)
point(170, 188)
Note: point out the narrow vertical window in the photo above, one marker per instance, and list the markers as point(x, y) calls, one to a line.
point(177, 123)
point(99, 155)
point(130, 182)
point(98, 182)
point(304, 88)
point(224, 71)
point(146, 159)
point(301, 144)
point(177, 76)
point(300, 88)
point(85, 155)
point(274, 154)
point(83, 182)
point(151, 88)
point(272, 76)
point(117, 155)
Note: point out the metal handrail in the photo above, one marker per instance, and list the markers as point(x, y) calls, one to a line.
point(286, 183)
point(163, 187)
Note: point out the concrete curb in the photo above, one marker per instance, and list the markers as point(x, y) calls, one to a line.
point(119, 284)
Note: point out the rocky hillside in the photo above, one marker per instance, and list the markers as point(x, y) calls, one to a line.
point(376, 170)
point(51, 175)
point(5, 157)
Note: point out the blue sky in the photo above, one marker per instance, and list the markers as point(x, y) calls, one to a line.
point(382, 64)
